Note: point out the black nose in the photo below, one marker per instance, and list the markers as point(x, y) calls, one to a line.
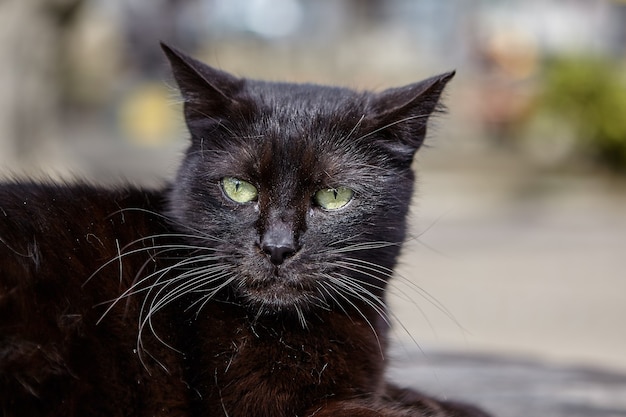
point(278, 253)
point(278, 243)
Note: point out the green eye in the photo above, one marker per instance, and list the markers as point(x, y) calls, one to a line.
point(333, 198)
point(238, 190)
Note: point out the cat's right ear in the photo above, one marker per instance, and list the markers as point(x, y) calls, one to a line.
point(209, 95)
point(401, 114)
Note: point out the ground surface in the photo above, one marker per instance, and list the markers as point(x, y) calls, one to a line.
point(509, 387)
point(522, 275)
point(521, 261)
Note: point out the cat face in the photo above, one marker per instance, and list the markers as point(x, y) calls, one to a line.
point(299, 193)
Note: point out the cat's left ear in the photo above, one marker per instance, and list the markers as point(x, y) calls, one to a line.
point(401, 114)
point(210, 95)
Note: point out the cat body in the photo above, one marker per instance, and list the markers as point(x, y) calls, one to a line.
point(54, 359)
point(252, 285)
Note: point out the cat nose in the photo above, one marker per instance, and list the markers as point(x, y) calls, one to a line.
point(278, 244)
point(278, 253)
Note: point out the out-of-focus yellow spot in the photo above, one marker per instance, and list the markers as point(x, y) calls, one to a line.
point(515, 53)
point(147, 116)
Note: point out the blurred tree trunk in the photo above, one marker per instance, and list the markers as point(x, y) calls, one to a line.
point(31, 38)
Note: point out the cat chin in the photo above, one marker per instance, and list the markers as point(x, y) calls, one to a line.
point(280, 298)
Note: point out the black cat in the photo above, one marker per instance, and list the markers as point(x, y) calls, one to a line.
point(254, 285)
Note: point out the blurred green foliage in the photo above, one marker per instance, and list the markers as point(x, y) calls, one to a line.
point(589, 95)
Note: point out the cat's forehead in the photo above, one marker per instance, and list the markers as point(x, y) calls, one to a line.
point(287, 153)
point(293, 100)
point(302, 117)
point(302, 133)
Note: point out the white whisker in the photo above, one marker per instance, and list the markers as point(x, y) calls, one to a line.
point(387, 126)
point(359, 312)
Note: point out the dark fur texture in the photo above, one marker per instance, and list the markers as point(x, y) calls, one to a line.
point(182, 302)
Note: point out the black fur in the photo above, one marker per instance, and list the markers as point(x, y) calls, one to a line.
point(183, 302)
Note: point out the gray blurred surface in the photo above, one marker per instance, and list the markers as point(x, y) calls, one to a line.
point(513, 259)
point(509, 387)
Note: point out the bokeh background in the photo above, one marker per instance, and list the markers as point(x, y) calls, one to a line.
point(518, 243)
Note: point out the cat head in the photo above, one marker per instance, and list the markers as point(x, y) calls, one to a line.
point(298, 192)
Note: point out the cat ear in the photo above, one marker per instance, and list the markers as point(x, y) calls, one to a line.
point(210, 95)
point(401, 114)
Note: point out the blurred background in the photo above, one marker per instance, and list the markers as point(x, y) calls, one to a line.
point(519, 227)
